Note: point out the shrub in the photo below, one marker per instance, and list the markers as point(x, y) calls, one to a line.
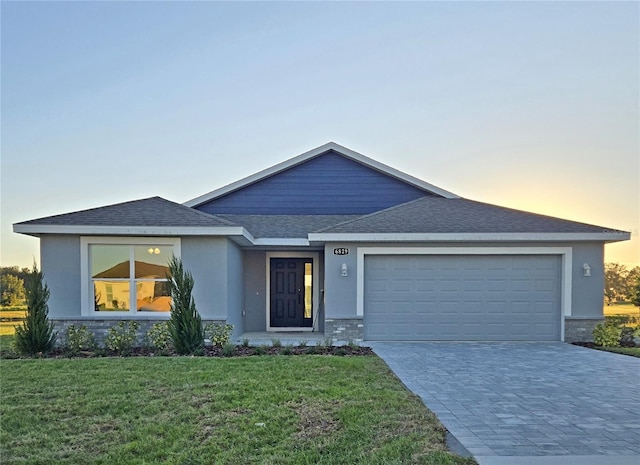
point(618, 320)
point(261, 350)
point(228, 350)
point(185, 324)
point(606, 335)
point(36, 334)
point(122, 337)
point(626, 337)
point(276, 342)
point(245, 342)
point(327, 342)
point(353, 346)
point(219, 334)
point(287, 350)
point(78, 339)
point(303, 343)
point(159, 337)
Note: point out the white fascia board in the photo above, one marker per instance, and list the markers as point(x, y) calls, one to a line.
point(309, 155)
point(466, 237)
point(282, 241)
point(134, 230)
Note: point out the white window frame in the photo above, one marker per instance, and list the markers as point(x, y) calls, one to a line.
point(86, 291)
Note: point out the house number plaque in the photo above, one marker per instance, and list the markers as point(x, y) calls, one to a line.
point(341, 251)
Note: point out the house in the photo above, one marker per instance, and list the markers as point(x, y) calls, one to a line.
point(332, 242)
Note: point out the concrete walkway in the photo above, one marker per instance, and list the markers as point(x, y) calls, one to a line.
point(527, 403)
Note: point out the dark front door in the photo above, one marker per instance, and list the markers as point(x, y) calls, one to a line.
point(291, 292)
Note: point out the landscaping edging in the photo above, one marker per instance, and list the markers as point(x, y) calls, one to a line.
point(209, 351)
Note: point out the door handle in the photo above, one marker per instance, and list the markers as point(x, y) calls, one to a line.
point(299, 296)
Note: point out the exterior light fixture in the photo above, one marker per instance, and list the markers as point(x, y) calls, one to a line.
point(586, 269)
point(344, 270)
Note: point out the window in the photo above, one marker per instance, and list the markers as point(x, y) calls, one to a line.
point(129, 277)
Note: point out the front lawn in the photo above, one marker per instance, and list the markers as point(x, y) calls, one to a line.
point(633, 351)
point(186, 410)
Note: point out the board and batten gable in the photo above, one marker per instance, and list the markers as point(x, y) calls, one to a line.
point(329, 184)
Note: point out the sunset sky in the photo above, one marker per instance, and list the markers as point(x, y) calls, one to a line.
point(529, 105)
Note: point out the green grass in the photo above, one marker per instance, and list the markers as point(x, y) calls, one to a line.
point(622, 308)
point(633, 351)
point(185, 410)
point(10, 317)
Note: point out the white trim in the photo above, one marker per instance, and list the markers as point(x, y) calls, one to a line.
point(309, 155)
point(289, 242)
point(86, 294)
point(566, 254)
point(315, 287)
point(134, 230)
point(466, 237)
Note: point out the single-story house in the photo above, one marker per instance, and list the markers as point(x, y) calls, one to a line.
point(333, 242)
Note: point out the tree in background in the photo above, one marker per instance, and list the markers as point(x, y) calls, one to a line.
point(12, 281)
point(185, 323)
point(36, 334)
point(619, 282)
point(12, 290)
point(635, 298)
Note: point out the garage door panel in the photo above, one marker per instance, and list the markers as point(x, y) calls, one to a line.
point(459, 297)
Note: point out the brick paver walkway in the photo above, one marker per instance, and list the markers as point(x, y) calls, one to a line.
point(527, 403)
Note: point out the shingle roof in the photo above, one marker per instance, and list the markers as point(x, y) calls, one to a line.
point(154, 211)
point(439, 215)
point(285, 226)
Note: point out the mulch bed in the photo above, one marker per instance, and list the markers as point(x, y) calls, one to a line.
point(210, 351)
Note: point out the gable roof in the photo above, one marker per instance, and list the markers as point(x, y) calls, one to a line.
point(331, 146)
point(145, 217)
point(433, 218)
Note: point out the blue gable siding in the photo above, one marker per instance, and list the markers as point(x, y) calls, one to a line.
point(329, 184)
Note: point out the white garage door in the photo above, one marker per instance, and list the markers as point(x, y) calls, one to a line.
point(462, 297)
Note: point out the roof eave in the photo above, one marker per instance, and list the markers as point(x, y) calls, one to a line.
point(312, 154)
point(236, 233)
point(317, 238)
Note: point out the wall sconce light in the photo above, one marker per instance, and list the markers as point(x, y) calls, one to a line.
point(344, 270)
point(586, 269)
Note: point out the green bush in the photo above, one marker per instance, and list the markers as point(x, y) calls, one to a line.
point(185, 324)
point(275, 342)
point(159, 337)
point(606, 335)
point(228, 350)
point(35, 335)
point(78, 339)
point(219, 334)
point(245, 342)
point(122, 337)
point(626, 337)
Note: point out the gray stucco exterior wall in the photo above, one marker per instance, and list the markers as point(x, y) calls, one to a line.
point(205, 258)
point(217, 268)
point(340, 291)
point(255, 288)
point(235, 288)
point(588, 291)
point(60, 263)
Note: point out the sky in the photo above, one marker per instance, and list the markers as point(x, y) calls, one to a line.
point(528, 105)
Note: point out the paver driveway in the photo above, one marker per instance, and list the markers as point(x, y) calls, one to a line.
point(527, 403)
